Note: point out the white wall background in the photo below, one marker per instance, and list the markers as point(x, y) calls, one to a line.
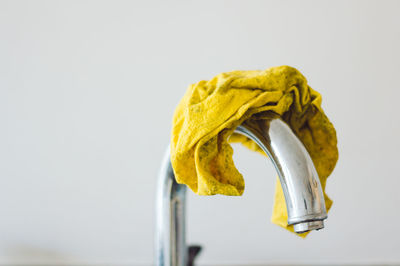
point(87, 92)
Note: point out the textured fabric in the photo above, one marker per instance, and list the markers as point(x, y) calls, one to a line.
point(206, 117)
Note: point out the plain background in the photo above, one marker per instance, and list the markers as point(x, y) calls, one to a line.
point(87, 93)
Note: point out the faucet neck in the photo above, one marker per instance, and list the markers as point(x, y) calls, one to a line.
point(298, 177)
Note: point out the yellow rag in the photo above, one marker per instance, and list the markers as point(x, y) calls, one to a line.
point(205, 120)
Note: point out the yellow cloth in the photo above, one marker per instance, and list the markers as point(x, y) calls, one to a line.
point(211, 110)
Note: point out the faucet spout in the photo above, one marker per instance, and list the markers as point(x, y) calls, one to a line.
point(298, 177)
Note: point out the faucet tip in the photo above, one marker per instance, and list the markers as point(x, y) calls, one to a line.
point(308, 226)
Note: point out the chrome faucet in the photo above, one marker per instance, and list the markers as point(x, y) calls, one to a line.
point(298, 177)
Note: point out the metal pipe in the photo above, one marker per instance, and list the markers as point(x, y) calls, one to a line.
point(298, 177)
point(171, 247)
